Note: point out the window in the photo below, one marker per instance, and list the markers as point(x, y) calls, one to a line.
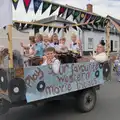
point(116, 44)
point(90, 43)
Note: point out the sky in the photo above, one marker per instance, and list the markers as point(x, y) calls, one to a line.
point(101, 7)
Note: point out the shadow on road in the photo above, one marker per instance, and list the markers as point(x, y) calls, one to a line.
point(41, 112)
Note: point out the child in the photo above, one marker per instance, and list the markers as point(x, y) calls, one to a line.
point(30, 48)
point(62, 47)
point(51, 60)
point(46, 43)
point(75, 45)
point(39, 46)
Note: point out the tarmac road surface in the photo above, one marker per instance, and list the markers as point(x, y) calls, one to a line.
point(107, 108)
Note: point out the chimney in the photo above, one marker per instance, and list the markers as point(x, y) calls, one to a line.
point(89, 8)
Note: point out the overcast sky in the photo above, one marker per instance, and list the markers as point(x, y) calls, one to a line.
point(101, 7)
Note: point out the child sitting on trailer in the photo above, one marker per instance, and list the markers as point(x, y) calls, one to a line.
point(100, 55)
point(50, 59)
point(46, 42)
point(75, 45)
point(62, 47)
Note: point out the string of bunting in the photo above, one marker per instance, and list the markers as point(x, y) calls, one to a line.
point(78, 15)
point(21, 25)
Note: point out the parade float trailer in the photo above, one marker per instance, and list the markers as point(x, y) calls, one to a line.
point(35, 84)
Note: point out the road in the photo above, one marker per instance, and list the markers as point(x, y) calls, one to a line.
point(107, 108)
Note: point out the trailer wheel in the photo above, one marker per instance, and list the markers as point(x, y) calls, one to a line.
point(86, 100)
point(4, 106)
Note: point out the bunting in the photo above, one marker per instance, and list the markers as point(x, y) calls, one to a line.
point(45, 6)
point(15, 3)
point(82, 15)
point(87, 17)
point(59, 29)
point(50, 28)
point(102, 22)
point(54, 29)
point(93, 17)
point(54, 7)
point(36, 5)
point(44, 28)
point(61, 10)
point(75, 27)
point(69, 12)
point(22, 26)
point(27, 4)
point(76, 14)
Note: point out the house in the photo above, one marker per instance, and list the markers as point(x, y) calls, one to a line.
point(90, 37)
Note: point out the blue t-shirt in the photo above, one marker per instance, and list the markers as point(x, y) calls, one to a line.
point(39, 49)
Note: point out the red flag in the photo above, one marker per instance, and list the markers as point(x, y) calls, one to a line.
point(27, 4)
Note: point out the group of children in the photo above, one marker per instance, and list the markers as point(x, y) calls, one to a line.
point(44, 47)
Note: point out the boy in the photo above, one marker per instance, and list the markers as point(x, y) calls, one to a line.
point(50, 59)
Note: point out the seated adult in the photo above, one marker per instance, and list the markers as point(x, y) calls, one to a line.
point(100, 55)
point(50, 59)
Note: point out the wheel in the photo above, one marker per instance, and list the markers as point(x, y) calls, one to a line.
point(86, 100)
point(4, 106)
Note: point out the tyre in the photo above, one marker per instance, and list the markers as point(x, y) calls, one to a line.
point(86, 100)
point(4, 106)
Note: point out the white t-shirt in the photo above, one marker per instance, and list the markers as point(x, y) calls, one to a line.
point(55, 65)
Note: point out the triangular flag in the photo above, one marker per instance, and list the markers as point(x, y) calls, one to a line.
point(69, 12)
point(80, 26)
point(45, 27)
point(82, 15)
point(101, 23)
point(15, 3)
point(28, 25)
point(54, 7)
point(93, 17)
point(16, 25)
point(4, 27)
point(61, 10)
point(76, 14)
point(59, 30)
point(36, 4)
point(98, 19)
point(65, 30)
point(50, 28)
point(22, 26)
point(67, 27)
point(87, 17)
point(27, 4)
point(54, 29)
point(75, 27)
point(45, 6)
point(36, 29)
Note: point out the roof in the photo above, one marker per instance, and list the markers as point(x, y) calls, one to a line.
point(115, 22)
point(54, 19)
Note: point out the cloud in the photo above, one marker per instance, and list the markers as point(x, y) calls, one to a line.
point(101, 7)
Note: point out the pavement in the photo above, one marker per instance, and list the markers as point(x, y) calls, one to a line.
point(107, 108)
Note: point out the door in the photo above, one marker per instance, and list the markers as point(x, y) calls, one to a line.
point(111, 45)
